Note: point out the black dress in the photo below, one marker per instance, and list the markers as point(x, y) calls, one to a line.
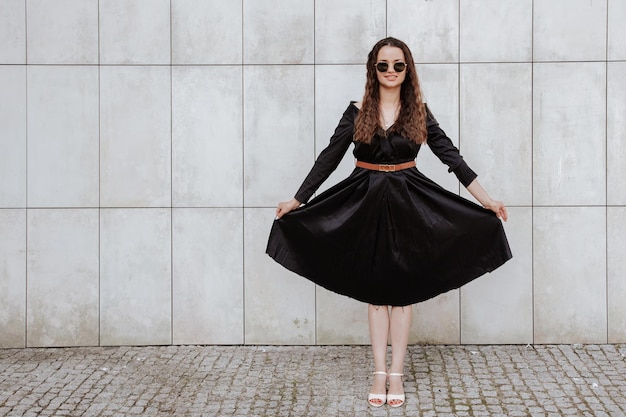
point(388, 238)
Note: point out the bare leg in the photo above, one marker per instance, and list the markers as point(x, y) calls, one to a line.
point(400, 328)
point(378, 318)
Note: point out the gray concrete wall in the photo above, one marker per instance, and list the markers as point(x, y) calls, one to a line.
point(144, 145)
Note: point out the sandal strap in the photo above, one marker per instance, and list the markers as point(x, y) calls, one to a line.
point(399, 398)
point(379, 373)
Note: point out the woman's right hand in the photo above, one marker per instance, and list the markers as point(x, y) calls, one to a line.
point(285, 207)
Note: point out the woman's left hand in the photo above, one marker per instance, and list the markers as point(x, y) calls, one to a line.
point(499, 208)
point(481, 195)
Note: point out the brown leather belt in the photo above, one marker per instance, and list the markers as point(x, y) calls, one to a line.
point(385, 167)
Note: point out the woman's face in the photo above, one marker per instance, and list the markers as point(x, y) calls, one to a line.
point(391, 77)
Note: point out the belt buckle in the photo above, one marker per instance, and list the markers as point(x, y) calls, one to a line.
point(386, 168)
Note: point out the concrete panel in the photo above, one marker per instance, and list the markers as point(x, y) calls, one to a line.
point(135, 32)
point(437, 321)
point(346, 31)
point(616, 128)
point(569, 250)
point(206, 32)
point(496, 128)
point(278, 32)
point(62, 31)
point(207, 251)
point(63, 148)
point(350, 327)
point(569, 134)
point(207, 136)
point(569, 30)
point(430, 28)
point(13, 136)
point(616, 266)
point(440, 86)
point(279, 305)
point(135, 137)
point(62, 278)
point(12, 32)
point(278, 132)
point(135, 277)
point(616, 30)
point(335, 87)
point(497, 308)
point(496, 31)
point(12, 278)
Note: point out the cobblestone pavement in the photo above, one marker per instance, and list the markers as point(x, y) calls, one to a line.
point(551, 380)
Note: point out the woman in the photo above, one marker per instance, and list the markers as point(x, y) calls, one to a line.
point(387, 235)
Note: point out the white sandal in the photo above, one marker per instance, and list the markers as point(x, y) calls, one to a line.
point(396, 397)
point(377, 400)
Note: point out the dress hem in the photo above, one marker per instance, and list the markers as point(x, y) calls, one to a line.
point(294, 268)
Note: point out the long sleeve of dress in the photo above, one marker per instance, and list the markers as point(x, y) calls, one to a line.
point(330, 157)
point(444, 149)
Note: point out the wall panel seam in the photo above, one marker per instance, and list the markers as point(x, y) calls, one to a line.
point(532, 167)
point(99, 191)
point(243, 177)
point(171, 188)
point(26, 175)
point(315, 148)
point(606, 171)
point(458, 80)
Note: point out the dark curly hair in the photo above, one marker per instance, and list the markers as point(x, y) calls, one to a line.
point(411, 122)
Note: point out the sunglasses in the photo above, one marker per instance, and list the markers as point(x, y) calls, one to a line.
point(397, 67)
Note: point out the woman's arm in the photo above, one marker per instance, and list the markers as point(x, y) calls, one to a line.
point(326, 163)
point(441, 145)
point(483, 198)
point(330, 157)
point(449, 154)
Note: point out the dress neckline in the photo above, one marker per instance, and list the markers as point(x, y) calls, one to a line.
point(353, 104)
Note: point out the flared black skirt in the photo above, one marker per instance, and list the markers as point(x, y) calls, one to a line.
point(392, 238)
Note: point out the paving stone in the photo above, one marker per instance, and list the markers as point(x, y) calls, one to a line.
point(550, 380)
